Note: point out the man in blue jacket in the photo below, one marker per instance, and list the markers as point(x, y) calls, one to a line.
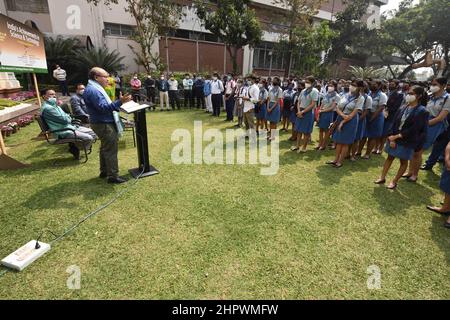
point(103, 114)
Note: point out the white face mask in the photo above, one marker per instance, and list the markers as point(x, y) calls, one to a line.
point(308, 85)
point(214, 78)
point(353, 89)
point(81, 92)
point(434, 89)
point(330, 89)
point(410, 98)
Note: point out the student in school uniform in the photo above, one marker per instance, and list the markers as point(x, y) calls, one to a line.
point(288, 98)
point(394, 102)
point(262, 106)
point(305, 114)
point(293, 113)
point(216, 94)
point(273, 106)
point(375, 120)
point(344, 134)
point(438, 108)
point(361, 133)
point(241, 90)
point(444, 184)
point(206, 88)
point(407, 133)
point(326, 112)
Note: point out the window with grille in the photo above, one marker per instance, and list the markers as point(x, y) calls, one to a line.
point(34, 6)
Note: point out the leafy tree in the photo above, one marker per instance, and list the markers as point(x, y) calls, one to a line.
point(295, 21)
point(153, 19)
point(308, 48)
point(416, 29)
point(351, 31)
point(233, 21)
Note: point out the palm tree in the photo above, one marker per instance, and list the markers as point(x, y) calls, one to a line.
point(367, 72)
point(61, 51)
point(111, 61)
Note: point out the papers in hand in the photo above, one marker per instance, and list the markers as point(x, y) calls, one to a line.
point(132, 106)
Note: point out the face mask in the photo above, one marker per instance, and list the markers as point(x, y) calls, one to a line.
point(52, 101)
point(410, 98)
point(162, 78)
point(330, 89)
point(214, 78)
point(353, 89)
point(135, 78)
point(81, 92)
point(401, 85)
point(260, 85)
point(307, 85)
point(434, 89)
point(149, 77)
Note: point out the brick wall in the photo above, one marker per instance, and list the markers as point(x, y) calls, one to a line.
point(183, 56)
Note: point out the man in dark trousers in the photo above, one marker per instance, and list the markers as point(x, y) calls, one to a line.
point(150, 86)
point(216, 94)
point(103, 114)
point(198, 91)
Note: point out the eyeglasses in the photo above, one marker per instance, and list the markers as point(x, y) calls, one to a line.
point(102, 76)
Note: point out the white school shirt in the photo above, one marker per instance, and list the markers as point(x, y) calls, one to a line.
point(253, 94)
point(216, 86)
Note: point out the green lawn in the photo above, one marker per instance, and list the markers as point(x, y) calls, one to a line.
point(220, 231)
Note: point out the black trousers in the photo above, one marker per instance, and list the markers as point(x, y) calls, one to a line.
point(200, 97)
point(216, 103)
point(173, 99)
point(151, 94)
point(188, 98)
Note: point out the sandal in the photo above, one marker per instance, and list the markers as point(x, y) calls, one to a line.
point(366, 157)
point(406, 176)
point(380, 181)
point(434, 209)
point(412, 180)
point(392, 186)
point(337, 166)
point(295, 148)
point(331, 162)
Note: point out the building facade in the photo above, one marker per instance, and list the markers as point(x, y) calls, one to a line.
point(189, 48)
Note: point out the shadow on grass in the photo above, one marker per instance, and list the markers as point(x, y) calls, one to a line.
point(58, 196)
point(399, 201)
point(441, 235)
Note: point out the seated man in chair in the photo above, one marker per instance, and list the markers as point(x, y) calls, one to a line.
point(78, 105)
point(57, 119)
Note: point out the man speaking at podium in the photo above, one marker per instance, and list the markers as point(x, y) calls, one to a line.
point(105, 121)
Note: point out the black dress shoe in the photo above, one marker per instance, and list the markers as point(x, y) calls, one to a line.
point(447, 225)
point(117, 180)
point(103, 175)
point(426, 168)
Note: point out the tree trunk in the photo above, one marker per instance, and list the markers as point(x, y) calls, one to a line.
point(233, 51)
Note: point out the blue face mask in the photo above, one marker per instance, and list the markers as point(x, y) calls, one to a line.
point(52, 101)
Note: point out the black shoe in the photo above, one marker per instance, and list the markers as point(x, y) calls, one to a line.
point(117, 180)
point(103, 175)
point(447, 225)
point(426, 168)
point(75, 152)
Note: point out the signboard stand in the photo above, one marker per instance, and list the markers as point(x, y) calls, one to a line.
point(6, 162)
point(22, 51)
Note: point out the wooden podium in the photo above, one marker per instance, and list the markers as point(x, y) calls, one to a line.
point(145, 169)
point(6, 162)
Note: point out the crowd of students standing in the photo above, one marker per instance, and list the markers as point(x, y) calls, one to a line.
point(357, 118)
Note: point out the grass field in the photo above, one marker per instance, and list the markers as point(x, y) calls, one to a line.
point(220, 231)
